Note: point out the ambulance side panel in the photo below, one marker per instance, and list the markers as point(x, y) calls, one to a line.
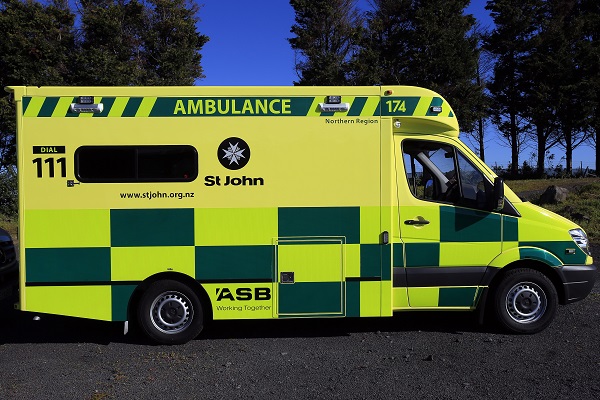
point(294, 232)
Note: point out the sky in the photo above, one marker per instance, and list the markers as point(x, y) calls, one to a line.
point(248, 47)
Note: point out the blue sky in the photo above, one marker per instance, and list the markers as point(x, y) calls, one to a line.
point(248, 47)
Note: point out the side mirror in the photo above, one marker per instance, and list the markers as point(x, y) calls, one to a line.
point(498, 194)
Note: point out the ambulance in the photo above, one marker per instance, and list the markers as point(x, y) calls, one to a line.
point(173, 206)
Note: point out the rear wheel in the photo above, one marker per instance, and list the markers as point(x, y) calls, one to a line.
point(169, 312)
point(525, 301)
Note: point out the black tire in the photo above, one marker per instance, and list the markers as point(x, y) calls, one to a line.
point(169, 312)
point(525, 301)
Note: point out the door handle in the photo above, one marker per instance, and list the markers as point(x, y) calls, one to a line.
point(416, 222)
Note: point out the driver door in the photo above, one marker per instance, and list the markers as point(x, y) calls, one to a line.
point(447, 229)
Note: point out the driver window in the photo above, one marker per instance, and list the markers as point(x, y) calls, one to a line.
point(437, 172)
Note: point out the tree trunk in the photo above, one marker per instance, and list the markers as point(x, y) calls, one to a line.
point(569, 151)
point(597, 133)
point(514, 170)
point(480, 137)
point(597, 167)
point(541, 151)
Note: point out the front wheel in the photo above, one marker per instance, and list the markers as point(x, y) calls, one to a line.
point(169, 312)
point(525, 301)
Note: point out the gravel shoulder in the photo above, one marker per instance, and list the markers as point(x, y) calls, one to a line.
point(413, 355)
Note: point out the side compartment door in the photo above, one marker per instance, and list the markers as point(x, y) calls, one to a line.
point(449, 234)
point(310, 276)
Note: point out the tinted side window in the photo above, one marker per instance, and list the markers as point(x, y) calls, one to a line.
point(136, 163)
point(430, 170)
point(438, 172)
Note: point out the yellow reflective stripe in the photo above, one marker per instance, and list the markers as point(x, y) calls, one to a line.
point(146, 107)
point(118, 107)
point(370, 106)
point(423, 106)
point(34, 107)
point(314, 110)
point(62, 107)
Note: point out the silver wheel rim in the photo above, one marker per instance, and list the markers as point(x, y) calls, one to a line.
point(171, 312)
point(526, 302)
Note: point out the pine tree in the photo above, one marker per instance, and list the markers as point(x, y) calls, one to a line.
point(485, 65)
point(510, 42)
point(326, 33)
point(36, 44)
point(172, 44)
point(383, 55)
point(573, 106)
point(540, 88)
point(423, 43)
point(590, 68)
point(111, 44)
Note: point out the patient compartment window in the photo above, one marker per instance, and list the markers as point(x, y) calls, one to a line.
point(178, 163)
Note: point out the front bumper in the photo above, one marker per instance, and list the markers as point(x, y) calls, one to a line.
point(578, 281)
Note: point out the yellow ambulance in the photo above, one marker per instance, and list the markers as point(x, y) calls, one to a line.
point(173, 206)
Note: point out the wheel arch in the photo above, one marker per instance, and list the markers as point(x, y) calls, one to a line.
point(176, 276)
point(535, 264)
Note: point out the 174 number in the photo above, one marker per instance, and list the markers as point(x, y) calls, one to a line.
point(395, 106)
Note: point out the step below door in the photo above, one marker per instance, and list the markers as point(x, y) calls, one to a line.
point(310, 276)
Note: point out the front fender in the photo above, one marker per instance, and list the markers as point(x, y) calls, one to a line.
point(525, 253)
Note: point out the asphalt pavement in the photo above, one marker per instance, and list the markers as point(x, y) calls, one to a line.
point(415, 355)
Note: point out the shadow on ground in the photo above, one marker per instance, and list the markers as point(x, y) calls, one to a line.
point(23, 327)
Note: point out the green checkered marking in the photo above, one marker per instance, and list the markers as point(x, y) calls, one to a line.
point(120, 296)
point(310, 297)
point(85, 264)
point(223, 263)
point(457, 297)
point(386, 263)
point(353, 299)
point(465, 225)
point(510, 230)
point(375, 261)
point(152, 227)
point(321, 222)
point(422, 255)
point(557, 252)
point(399, 255)
point(370, 261)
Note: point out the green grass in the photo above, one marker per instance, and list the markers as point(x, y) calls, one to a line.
point(583, 198)
point(542, 184)
point(10, 224)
